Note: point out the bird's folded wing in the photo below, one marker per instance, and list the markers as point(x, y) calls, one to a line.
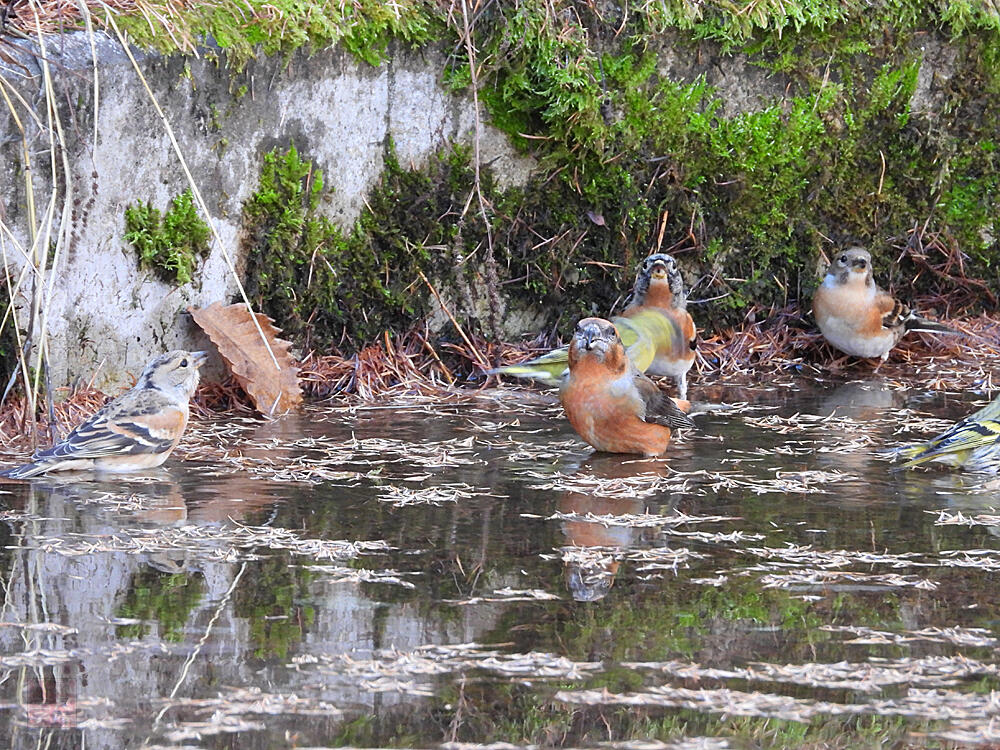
point(639, 339)
point(659, 407)
point(660, 330)
point(967, 435)
point(990, 412)
point(111, 433)
point(892, 310)
point(895, 313)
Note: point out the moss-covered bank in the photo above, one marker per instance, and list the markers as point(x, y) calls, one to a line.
point(869, 123)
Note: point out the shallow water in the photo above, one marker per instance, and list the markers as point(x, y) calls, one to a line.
point(469, 572)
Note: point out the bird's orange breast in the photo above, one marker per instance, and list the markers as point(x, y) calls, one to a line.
point(606, 420)
point(851, 305)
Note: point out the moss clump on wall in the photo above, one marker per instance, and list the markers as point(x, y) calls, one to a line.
point(348, 286)
point(171, 244)
point(241, 27)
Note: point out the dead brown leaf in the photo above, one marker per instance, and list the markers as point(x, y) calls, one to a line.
point(232, 330)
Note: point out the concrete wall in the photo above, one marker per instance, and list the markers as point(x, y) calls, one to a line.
point(105, 312)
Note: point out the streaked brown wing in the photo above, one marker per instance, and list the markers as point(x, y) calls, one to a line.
point(660, 408)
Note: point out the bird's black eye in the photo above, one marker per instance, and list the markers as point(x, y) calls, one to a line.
point(184, 362)
point(843, 258)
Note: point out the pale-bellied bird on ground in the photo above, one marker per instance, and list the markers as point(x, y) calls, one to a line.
point(136, 431)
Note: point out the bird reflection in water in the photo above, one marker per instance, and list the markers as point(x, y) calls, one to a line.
point(595, 549)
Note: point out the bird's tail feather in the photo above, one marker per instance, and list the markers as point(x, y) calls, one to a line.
point(548, 368)
point(25, 471)
point(917, 323)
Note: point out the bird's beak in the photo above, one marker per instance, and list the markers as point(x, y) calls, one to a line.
point(859, 264)
point(199, 358)
point(659, 271)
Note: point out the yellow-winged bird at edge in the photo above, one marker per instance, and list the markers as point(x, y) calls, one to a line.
point(972, 444)
point(655, 328)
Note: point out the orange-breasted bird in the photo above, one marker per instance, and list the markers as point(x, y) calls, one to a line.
point(136, 431)
point(655, 328)
point(857, 317)
point(610, 404)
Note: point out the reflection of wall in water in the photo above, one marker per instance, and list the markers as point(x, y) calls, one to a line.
point(86, 592)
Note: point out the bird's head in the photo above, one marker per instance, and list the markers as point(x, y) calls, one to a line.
point(594, 338)
point(174, 372)
point(590, 585)
point(853, 263)
point(659, 282)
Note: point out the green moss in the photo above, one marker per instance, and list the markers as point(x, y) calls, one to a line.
point(755, 195)
point(750, 195)
point(169, 244)
point(351, 285)
point(275, 606)
point(166, 598)
point(241, 27)
point(969, 203)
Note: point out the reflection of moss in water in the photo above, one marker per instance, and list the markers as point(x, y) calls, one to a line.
point(392, 730)
point(683, 624)
point(165, 598)
point(270, 598)
point(521, 715)
point(660, 627)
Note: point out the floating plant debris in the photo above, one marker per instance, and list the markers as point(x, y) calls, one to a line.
point(389, 560)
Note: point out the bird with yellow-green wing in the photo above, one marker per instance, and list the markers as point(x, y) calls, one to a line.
point(655, 328)
point(972, 444)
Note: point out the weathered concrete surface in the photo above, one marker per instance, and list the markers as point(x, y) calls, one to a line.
point(104, 310)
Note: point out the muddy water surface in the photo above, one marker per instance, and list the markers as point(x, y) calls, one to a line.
point(425, 573)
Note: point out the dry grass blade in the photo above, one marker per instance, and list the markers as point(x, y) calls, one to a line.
point(954, 636)
point(508, 595)
point(870, 676)
point(947, 518)
point(432, 660)
point(843, 580)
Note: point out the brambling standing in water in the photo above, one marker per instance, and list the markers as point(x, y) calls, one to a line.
point(655, 328)
point(610, 404)
point(857, 317)
point(972, 444)
point(658, 309)
point(136, 431)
